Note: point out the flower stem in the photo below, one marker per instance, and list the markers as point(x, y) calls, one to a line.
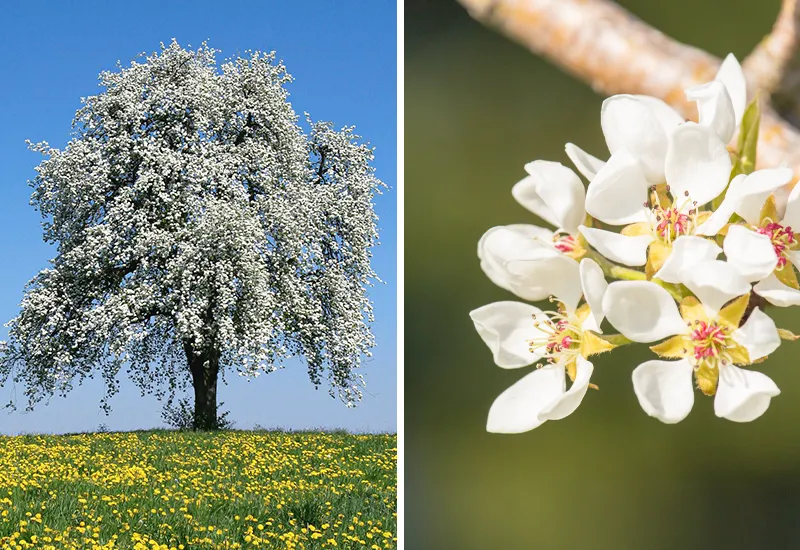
point(615, 271)
point(679, 292)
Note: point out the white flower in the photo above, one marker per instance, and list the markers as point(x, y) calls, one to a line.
point(698, 167)
point(641, 124)
point(650, 145)
point(767, 248)
point(523, 258)
point(705, 338)
point(520, 334)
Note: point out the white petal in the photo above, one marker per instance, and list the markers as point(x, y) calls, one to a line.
point(750, 253)
point(667, 117)
point(715, 108)
point(664, 389)
point(687, 250)
point(642, 311)
point(501, 244)
point(793, 256)
point(753, 191)
point(561, 190)
point(524, 191)
point(618, 192)
point(758, 335)
point(517, 409)
point(506, 327)
point(566, 403)
point(791, 217)
point(629, 123)
point(697, 162)
point(559, 276)
point(777, 293)
point(586, 164)
point(618, 248)
point(781, 198)
point(743, 395)
point(730, 73)
point(594, 288)
point(715, 283)
point(591, 324)
point(722, 215)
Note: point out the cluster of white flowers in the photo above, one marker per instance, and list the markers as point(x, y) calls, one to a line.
point(195, 219)
point(683, 198)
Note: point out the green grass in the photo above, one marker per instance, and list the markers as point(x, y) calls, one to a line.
point(231, 489)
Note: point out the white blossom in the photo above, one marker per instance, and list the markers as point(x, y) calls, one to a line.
point(197, 223)
point(705, 337)
point(518, 257)
point(520, 334)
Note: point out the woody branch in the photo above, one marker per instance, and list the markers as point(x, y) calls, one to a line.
point(612, 50)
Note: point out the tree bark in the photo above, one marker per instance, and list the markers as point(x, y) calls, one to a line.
point(204, 367)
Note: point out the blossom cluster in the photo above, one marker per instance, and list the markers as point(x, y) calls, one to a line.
point(194, 217)
point(672, 200)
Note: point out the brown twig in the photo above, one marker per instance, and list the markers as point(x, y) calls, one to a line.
point(602, 44)
point(767, 64)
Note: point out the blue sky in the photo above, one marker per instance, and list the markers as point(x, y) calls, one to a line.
point(343, 57)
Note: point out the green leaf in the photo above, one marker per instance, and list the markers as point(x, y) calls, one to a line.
point(748, 142)
point(748, 138)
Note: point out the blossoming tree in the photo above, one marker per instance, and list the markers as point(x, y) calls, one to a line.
point(680, 197)
point(198, 231)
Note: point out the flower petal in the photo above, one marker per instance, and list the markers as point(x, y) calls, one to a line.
point(501, 244)
point(752, 192)
point(566, 403)
point(722, 215)
point(715, 283)
point(642, 311)
point(629, 123)
point(687, 250)
point(506, 328)
point(616, 247)
point(517, 409)
point(524, 191)
point(743, 395)
point(730, 73)
point(561, 190)
point(664, 389)
point(697, 163)
point(777, 293)
point(594, 287)
point(667, 117)
point(715, 108)
point(792, 215)
point(618, 192)
point(751, 253)
point(586, 164)
point(558, 275)
point(758, 335)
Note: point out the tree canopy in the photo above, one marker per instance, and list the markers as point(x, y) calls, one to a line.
point(199, 231)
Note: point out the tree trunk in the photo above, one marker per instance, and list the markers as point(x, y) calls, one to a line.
point(204, 367)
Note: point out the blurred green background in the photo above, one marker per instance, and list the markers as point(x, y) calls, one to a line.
point(477, 108)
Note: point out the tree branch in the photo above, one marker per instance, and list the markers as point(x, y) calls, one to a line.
point(768, 63)
point(612, 50)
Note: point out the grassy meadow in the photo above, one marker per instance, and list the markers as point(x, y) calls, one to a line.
point(184, 490)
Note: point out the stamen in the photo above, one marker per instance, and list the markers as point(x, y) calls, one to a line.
point(560, 338)
point(710, 344)
point(674, 221)
point(782, 238)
